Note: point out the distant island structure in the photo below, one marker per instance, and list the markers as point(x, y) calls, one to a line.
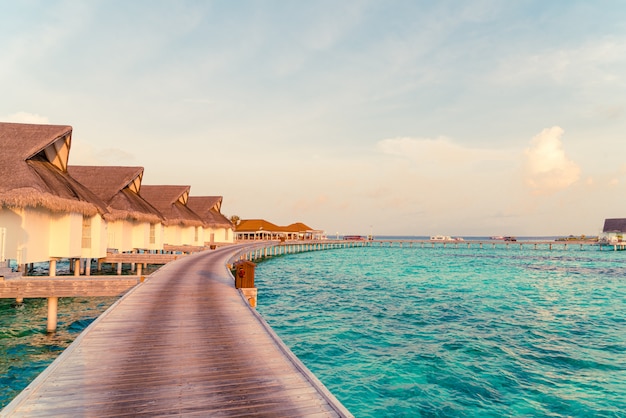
point(260, 229)
point(613, 232)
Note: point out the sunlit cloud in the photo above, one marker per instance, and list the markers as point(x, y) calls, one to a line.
point(547, 168)
point(592, 62)
point(440, 152)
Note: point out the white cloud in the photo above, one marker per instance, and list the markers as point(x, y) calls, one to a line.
point(441, 152)
point(597, 62)
point(25, 117)
point(547, 168)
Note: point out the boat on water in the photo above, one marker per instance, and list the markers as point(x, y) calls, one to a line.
point(353, 238)
point(501, 238)
point(441, 238)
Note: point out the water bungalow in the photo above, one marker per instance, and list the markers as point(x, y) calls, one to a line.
point(260, 229)
point(613, 232)
point(217, 228)
point(45, 214)
point(182, 226)
point(133, 223)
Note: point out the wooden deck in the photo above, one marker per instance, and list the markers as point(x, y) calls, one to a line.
point(65, 286)
point(183, 343)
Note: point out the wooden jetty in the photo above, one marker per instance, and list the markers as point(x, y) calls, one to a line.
point(548, 245)
point(185, 343)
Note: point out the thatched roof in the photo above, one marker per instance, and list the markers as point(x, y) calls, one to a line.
point(171, 202)
point(207, 207)
point(255, 225)
point(298, 227)
point(118, 187)
point(33, 170)
point(614, 225)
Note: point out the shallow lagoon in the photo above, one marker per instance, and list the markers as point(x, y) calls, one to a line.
point(26, 349)
point(417, 331)
point(456, 331)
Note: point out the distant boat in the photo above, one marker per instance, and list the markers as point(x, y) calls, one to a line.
point(353, 238)
point(497, 237)
point(441, 238)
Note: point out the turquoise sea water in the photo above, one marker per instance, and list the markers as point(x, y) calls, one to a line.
point(26, 349)
point(433, 332)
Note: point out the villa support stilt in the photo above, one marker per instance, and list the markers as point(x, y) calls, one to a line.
point(53, 304)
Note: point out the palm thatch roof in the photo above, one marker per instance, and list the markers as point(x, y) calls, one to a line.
point(255, 225)
point(33, 170)
point(298, 227)
point(119, 188)
point(171, 202)
point(208, 208)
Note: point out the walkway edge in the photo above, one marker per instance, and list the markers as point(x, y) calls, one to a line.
point(310, 376)
point(23, 395)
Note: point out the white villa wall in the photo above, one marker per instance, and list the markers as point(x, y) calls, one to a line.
point(36, 234)
point(140, 235)
point(218, 235)
point(158, 237)
point(193, 235)
point(125, 235)
point(172, 235)
point(200, 239)
point(99, 238)
point(11, 220)
point(183, 235)
point(66, 232)
point(115, 235)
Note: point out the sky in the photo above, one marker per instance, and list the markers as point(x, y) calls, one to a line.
point(461, 118)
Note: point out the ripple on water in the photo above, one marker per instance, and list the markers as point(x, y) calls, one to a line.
point(456, 332)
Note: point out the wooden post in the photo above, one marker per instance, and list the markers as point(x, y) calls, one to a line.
point(53, 304)
point(77, 267)
point(88, 267)
point(53, 267)
point(138, 267)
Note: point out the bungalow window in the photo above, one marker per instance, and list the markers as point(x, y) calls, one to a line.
point(86, 232)
point(152, 233)
point(195, 237)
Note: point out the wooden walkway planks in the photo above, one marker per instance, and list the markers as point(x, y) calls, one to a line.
point(184, 343)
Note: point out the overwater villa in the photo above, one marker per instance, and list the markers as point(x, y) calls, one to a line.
point(182, 226)
point(217, 228)
point(133, 223)
point(260, 229)
point(45, 214)
point(613, 232)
